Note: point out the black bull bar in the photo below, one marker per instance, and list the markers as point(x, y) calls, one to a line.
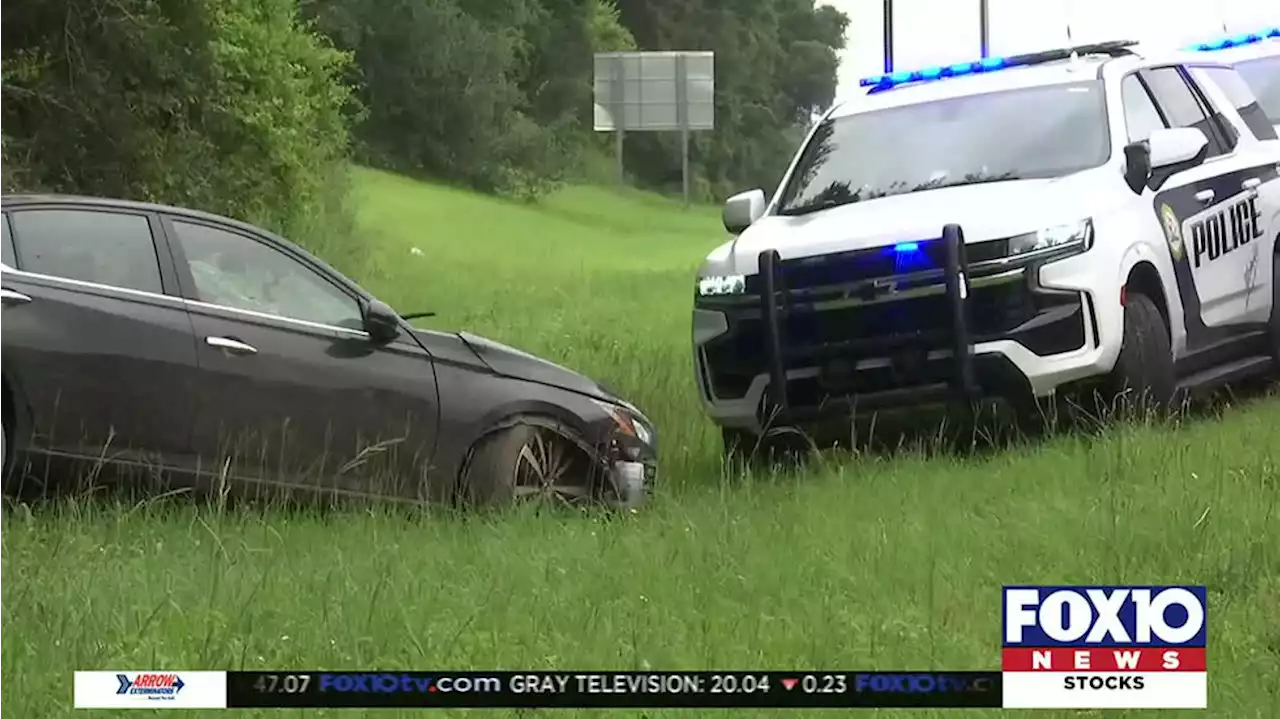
point(962, 382)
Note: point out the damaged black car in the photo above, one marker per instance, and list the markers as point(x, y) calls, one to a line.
point(199, 348)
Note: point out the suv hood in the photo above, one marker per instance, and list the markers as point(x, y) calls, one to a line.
point(516, 364)
point(986, 211)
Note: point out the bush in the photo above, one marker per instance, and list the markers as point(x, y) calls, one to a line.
point(231, 106)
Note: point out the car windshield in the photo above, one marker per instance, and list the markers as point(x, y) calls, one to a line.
point(1263, 76)
point(1028, 133)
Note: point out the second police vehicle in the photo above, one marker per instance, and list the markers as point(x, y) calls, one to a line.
point(1084, 218)
point(1256, 56)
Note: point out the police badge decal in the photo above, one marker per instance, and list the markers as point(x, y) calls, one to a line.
point(1172, 231)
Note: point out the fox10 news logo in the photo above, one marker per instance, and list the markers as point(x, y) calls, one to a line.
point(1134, 647)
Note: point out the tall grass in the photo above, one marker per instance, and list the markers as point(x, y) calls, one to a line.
point(874, 561)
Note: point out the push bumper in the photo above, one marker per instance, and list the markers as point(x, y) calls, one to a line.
point(961, 384)
point(975, 325)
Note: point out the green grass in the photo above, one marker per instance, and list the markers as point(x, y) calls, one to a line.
point(873, 562)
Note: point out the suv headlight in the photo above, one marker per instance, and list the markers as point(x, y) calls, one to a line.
point(722, 285)
point(1061, 239)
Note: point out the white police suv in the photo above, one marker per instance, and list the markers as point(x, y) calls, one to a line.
point(1256, 56)
point(1090, 217)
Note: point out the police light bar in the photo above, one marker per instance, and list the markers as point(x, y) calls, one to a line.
point(1248, 38)
point(990, 64)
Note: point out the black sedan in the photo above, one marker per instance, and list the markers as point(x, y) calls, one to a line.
point(192, 346)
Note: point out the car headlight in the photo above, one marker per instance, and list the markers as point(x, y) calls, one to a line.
point(722, 285)
point(629, 419)
point(1065, 239)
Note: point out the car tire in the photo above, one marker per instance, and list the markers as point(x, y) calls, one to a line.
point(10, 479)
point(777, 446)
point(1274, 323)
point(528, 461)
point(1143, 379)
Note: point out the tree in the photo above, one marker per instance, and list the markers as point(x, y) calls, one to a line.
point(234, 107)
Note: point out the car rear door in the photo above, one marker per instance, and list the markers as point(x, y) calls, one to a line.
point(96, 341)
point(296, 393)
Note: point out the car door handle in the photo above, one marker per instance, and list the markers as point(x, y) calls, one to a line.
point(1205, 196)
point(234, 346)
point(1250, 184)
point(14, 298)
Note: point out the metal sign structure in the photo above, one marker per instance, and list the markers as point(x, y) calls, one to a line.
point(984, 32)
point(655, 92)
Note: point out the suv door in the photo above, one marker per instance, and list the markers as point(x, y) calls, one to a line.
point(1208, 212)
point(296, 394)
point(96, 341)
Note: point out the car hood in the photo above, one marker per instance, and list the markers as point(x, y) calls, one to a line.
point(517, 364)
point(985, 211)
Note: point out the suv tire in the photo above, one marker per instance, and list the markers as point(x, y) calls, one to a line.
point(1143, 378)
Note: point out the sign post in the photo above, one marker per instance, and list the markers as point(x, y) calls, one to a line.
point(888, 36)
point(655, 92)
point(984, 31)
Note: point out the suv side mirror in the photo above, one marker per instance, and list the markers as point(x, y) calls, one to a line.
point(381, 322)
point(1166, 152)
point(742, 209)
point(1177, 149)
point(1137, 165)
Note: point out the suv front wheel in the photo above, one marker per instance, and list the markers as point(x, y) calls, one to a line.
point(1143, 378)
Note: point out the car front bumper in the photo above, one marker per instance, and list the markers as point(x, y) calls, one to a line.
point(800, 347)
point(631, 466)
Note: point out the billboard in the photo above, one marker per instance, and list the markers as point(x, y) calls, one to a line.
point(654, 91)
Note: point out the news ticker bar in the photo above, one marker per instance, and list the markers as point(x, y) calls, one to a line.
point(540, 690)
point(595, 689)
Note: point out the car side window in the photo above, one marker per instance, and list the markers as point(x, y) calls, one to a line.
point(108, 248)
point(1181, 107)
point(1263, 76)
point(1140, 113)
point(237, 271)
point(1242, 97)
point(7, 252)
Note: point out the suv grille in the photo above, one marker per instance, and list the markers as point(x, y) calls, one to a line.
point(804, 273)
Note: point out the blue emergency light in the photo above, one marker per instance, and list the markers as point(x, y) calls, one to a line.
point(886, 81)
point(1247, 38)
point(934, 73)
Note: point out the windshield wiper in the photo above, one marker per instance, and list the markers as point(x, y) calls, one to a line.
point(808, 207)
point(837, 194)
point(417, 315)
point(982, 180)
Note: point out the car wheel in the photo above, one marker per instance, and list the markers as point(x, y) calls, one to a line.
point(1274, 324)
point(1143, 377)
point(10, 479)
point(777, 446)
point(529, 462)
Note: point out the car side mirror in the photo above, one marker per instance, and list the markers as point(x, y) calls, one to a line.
point(1137, 165)
point(1177, 148)
point(1168, 151)
point(743, 209)
point(381, 322)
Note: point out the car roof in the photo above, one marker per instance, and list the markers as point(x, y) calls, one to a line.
point(20, 199)
point(1058, 72)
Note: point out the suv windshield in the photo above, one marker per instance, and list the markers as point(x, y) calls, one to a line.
point(1263, 76)
point(1028, 133)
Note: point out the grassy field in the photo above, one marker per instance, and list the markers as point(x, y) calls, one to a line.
point(870, 562)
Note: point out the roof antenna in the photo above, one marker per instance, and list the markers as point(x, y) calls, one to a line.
point(1075, 56)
